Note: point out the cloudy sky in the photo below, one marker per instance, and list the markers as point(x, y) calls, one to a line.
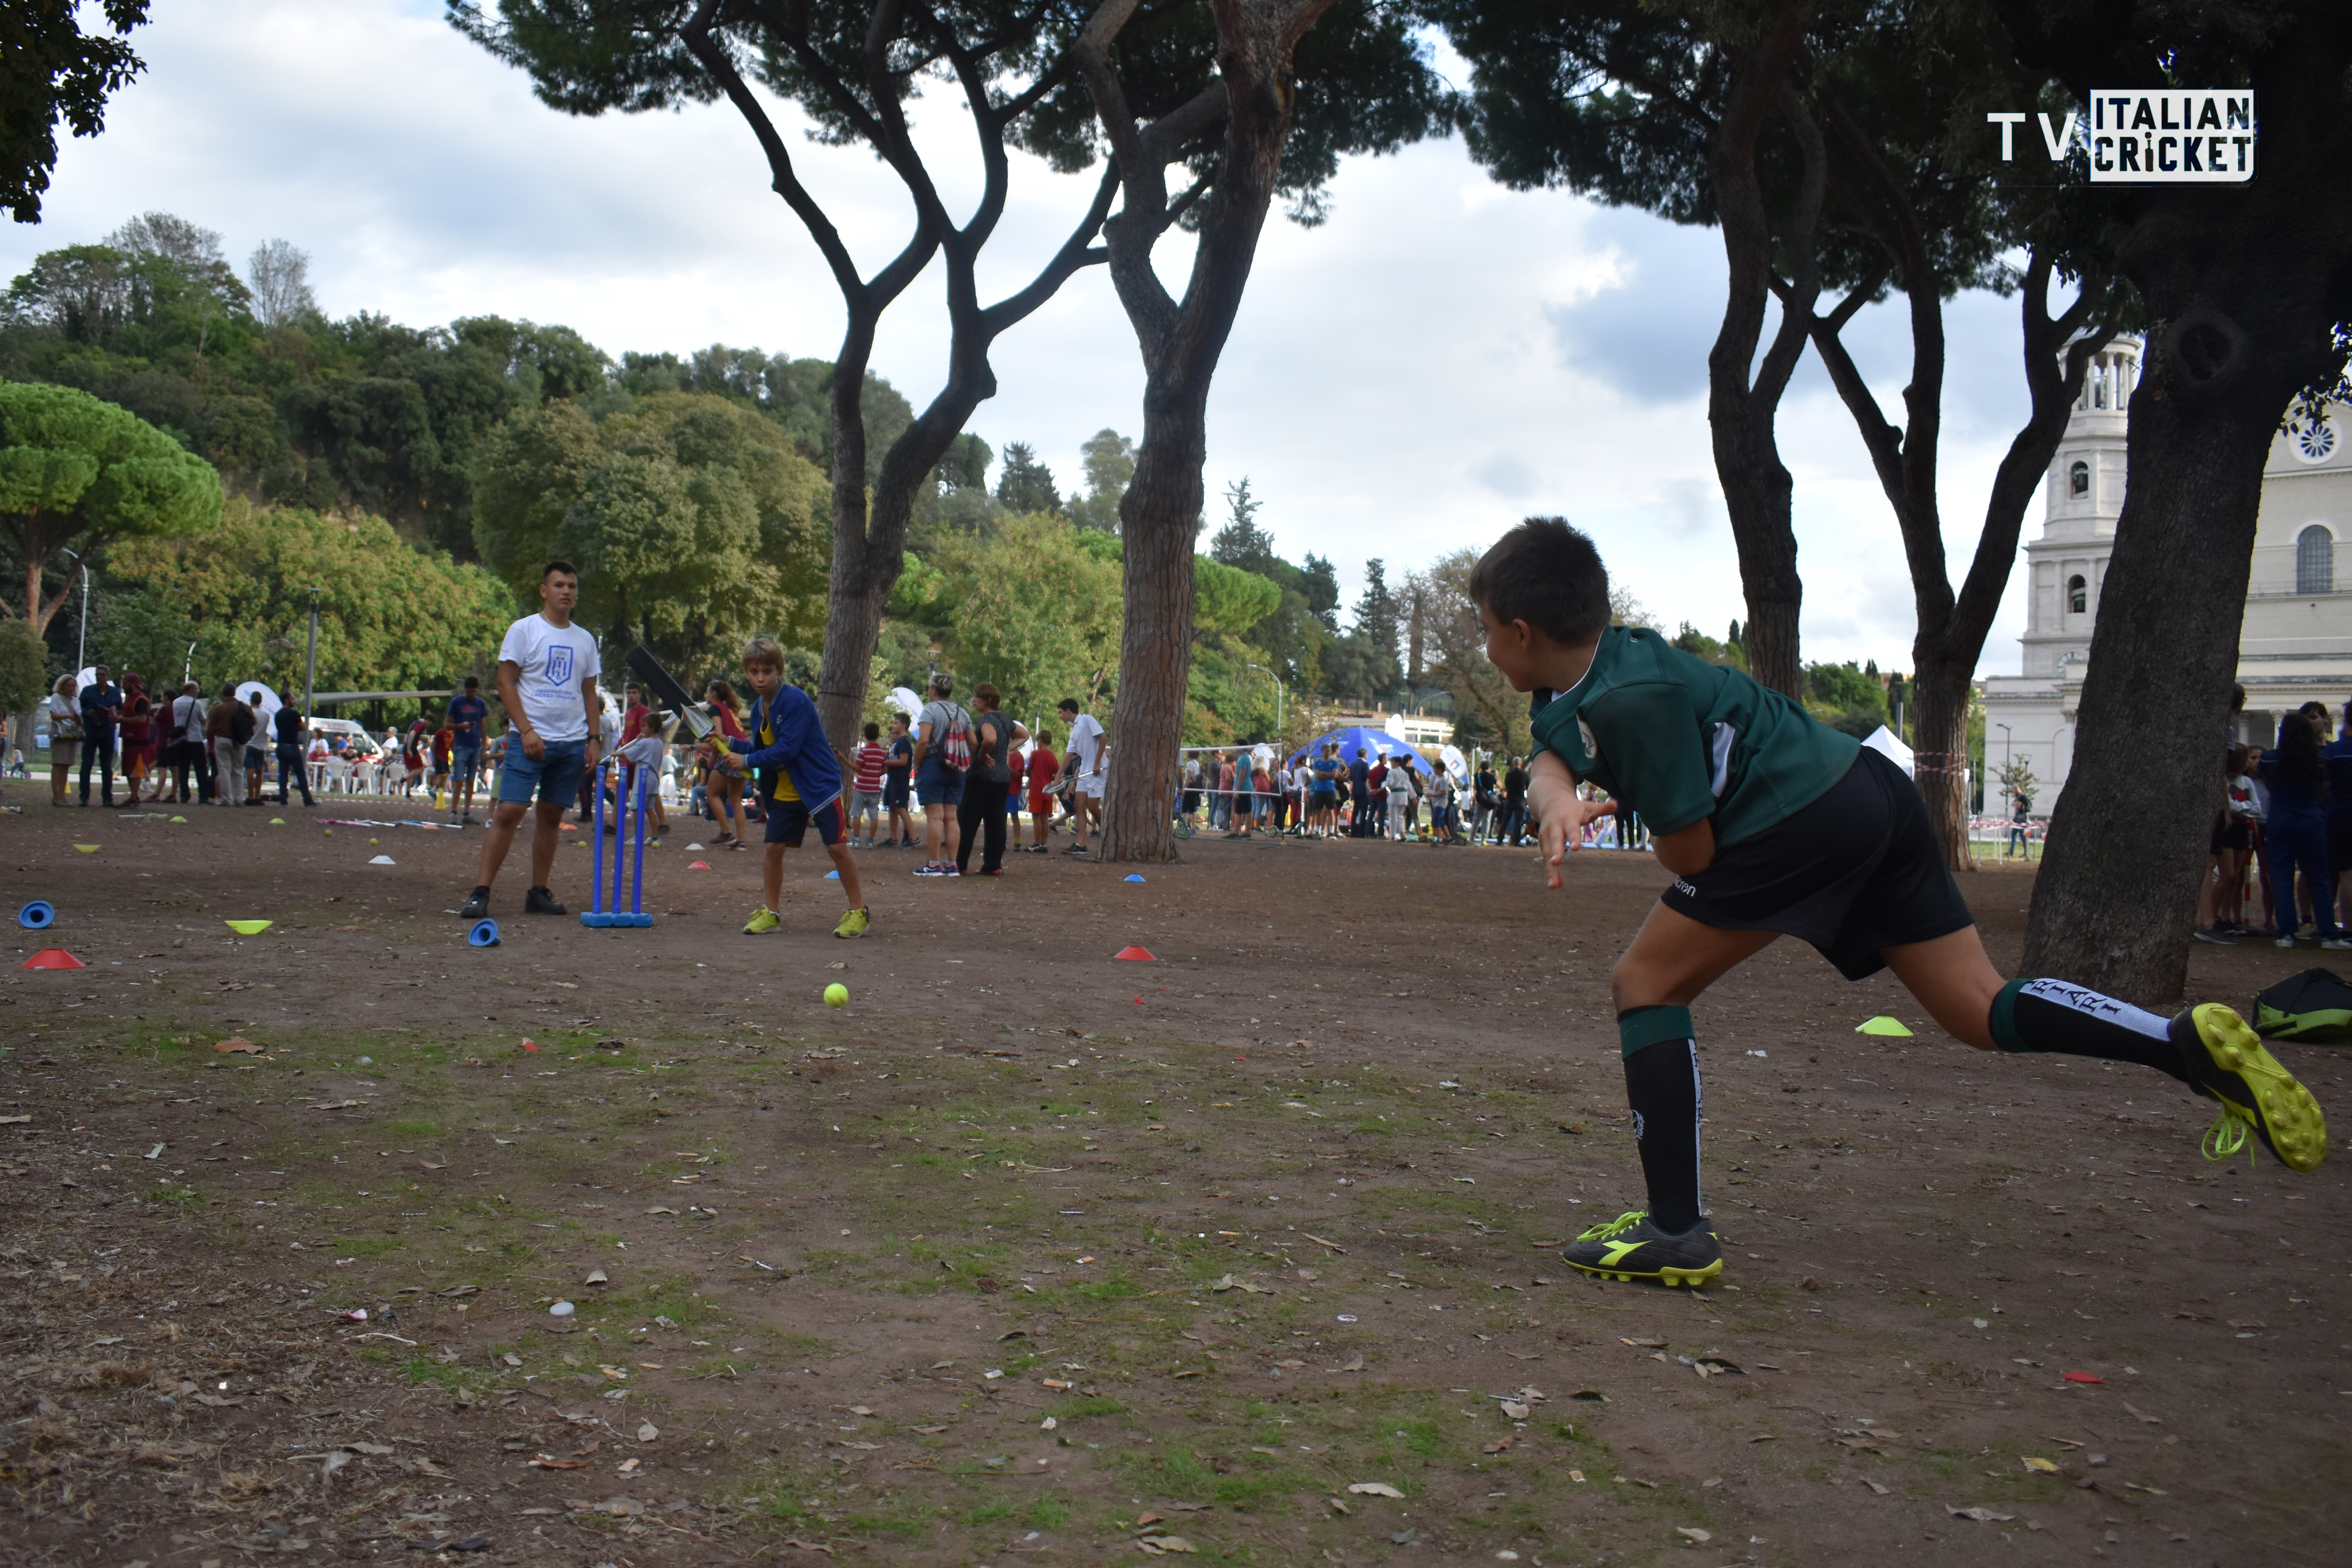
point(1440, 358)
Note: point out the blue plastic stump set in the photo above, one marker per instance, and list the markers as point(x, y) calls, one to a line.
point(601, 912)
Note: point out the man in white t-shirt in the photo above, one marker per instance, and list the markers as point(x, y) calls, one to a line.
point(546, 682)
point(1084, 765)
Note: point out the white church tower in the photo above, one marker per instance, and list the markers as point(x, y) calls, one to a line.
point(2295, 643)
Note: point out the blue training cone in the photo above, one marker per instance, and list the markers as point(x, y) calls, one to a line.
point(1132, 876)
point(834, 875)
point(39, 915)
point(484, 935)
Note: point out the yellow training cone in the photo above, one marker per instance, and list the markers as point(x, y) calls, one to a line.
point(250, 928)
point(87, 849)
point(179, 819)
point(1882, 1025)
point(277, 822)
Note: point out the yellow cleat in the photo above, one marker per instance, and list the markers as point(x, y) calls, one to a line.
point(2231, 1065)
point(763, 918)
point(853, 923)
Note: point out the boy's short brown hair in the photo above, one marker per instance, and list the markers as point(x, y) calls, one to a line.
point(1548, 574)
point(873, 731)
point(765, 651)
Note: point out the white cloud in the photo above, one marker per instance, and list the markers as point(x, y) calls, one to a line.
point(1439, 360)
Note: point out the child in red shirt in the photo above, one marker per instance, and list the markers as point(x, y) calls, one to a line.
point(1044, 767)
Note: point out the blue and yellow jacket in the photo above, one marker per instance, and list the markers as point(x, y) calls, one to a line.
point(787, 744)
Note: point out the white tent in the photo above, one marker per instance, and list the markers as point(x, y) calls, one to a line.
point(907, 703)
point(1882, 740)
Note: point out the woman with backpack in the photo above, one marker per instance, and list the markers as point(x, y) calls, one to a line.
point(986, 783)
point(942, 763)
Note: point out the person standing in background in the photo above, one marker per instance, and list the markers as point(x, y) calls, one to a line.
point(898, 785)
point(64, 709)
point(188, 748)
point(1085, 763)
point(865, 785)
point(229, 726)
point(101, 705)
point(2337, 760)
point(2298, 829)
point(257, 761)
point(466, 715)
point(293, 765)
point(138, 739)
point(1514, 805)
point(981, 813)
point(1044, 767)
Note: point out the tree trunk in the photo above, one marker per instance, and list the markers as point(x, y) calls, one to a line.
point(1741, 406)
point(1939, 766)
point(2247, 284)
point(2116, 896)
point(1159, 520)
point(1159, 515)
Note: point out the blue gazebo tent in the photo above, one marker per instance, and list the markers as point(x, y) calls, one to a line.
point(1374, 743)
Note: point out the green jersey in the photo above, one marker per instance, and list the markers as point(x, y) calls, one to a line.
point(1682, 740)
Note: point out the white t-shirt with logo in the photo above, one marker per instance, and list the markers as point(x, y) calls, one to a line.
point(553, 661)
point(1085, 742)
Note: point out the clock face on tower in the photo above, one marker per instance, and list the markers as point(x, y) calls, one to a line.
point(2313, 440)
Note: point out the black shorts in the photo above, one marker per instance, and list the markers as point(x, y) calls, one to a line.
point(2233, 833)
point(1857, 871)
point(788, 820)
point(2339, 842)
point(894, 790)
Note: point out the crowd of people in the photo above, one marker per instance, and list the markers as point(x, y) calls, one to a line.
point(2279, 865)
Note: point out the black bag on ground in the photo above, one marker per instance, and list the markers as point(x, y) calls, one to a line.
point(2314, 1007)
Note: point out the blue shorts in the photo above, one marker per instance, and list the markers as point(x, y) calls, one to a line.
point(894, 790)
point(465, 761)
point(789, 819)
point(555, 777)
point(939, 784)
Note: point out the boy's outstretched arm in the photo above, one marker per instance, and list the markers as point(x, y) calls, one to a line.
point(1560, 812)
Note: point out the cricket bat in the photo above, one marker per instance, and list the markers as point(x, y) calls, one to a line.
point(666, 691)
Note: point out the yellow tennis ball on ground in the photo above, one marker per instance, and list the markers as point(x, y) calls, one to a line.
point(837, 994)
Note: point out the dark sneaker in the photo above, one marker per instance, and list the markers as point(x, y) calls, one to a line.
point(476, 905)
point(2227, 1062)
point(540, 901)
point(1631, 1247)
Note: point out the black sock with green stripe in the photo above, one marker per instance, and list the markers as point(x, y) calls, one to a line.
point(2031, 1016)
point(1662, 1088)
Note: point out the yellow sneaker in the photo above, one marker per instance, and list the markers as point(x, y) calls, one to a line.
point(763, 918)
point(853, 923)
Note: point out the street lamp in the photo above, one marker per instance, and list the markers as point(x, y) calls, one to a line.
point(311, 663)
point(1278, 698)
point(81, 637)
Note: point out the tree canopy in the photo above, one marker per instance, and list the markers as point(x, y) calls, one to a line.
point(693, 521)
point(389, 616)
point(78, 473)
point(52, 72)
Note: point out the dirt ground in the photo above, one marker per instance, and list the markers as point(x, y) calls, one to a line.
point(1243, 1254)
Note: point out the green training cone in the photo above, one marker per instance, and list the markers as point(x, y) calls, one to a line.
point(1882, 1025)
point(248, 928)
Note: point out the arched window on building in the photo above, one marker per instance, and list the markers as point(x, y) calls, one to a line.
point(2078, 479)
point(2078, 595)
point(2315, 560)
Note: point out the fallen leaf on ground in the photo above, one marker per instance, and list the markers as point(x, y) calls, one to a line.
point(1981, 1515)
point(1698, 1536)
point(236, 1043)
point(2044, 1467)
point(1374, 1488)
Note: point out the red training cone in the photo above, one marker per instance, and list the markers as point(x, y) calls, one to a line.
point(54, 958)
point(1139, 956)
point(700, 866)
